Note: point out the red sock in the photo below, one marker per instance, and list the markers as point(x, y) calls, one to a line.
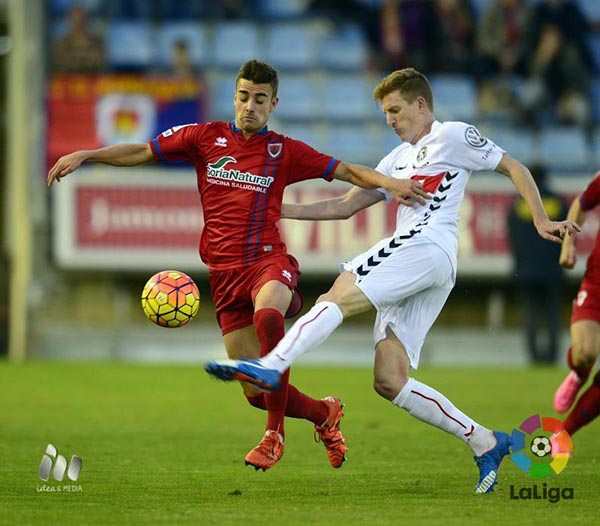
point(270, 329)
point(298, 405)
point(582, 371)
point(586, 409)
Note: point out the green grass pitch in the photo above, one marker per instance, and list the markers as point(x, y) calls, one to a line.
point(165, 445)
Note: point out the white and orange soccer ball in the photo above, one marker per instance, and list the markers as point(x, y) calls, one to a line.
point(170, 299)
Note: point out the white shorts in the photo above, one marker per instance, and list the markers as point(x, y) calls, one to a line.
point(408, 285)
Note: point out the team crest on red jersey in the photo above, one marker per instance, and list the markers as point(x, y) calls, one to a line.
point(274, 149)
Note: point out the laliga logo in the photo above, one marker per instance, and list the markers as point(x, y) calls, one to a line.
point(538, 454)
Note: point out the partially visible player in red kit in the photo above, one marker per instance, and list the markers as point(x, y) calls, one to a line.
point(242, 170)
point(585, 323)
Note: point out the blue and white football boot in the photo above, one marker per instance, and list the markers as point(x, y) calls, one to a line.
point(489, 463)
point(250, 371)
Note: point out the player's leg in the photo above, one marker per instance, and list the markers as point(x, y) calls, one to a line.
point(392, 382)
point(310, 330)
point(421, 401)
point(585, 345)
point(586, 409)
point(344, 299)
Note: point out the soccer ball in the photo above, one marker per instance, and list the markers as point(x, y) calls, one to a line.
point(170, 299)
point(540, 446)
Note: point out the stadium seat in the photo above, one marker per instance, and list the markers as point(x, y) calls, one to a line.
point(594, 47)
point(564, 148)
point(290, 45)
point(222, 90)
point(455, 97)
point(298, 98)
point(348, 97)
point(311, 134)
point(596, 150)
point(343, 48)
point(280, 9)
point(234, 43)
point(518, 143)
point(193, 33)
point(595, 98)
point(352, 143)
point(590, 10)
point(129, 44)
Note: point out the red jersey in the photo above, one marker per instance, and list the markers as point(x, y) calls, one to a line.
point(241, 184)
point(589, 199)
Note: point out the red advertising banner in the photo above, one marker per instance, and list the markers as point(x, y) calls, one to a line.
point(143, 219)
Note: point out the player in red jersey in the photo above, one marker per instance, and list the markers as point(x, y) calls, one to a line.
point(585, 323)
point(242, 170)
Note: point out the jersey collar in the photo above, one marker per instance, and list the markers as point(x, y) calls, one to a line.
point(235, 129)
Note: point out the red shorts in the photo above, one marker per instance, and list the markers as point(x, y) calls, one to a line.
point(233, 291)
point(586, 305)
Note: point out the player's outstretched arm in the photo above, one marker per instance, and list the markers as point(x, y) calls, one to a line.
point(568, 258)
point(341, 207)
point(524, 183)
point(117, 155)
point(405, 191)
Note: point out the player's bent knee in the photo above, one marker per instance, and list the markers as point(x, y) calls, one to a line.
point(389, 387)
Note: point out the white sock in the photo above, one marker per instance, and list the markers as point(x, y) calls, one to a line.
point(309, 331)
point(430, 406)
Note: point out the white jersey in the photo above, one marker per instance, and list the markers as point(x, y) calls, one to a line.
point(442, 161)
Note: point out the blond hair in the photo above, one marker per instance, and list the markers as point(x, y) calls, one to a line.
point(409, 82)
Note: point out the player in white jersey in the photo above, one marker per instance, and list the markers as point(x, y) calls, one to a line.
point(408, 276)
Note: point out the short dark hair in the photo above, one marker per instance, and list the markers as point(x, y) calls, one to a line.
point(259, 73)
point(411, 84)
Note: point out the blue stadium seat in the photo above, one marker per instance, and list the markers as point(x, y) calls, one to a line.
point(590, 10)
point(352, 144)
point(129, 44)
point(290, 45)
point(348, 97)
point(596, 150)
point(298, 98)
point(594, 47)
point(222, 91)
point(564, 148)
point(234, 43)
point(311, 134)
point(479, 6)
point(193, 33)
point(455, 97)
point(595, 99)
point(343, 48)
point(280, 9)
point(518, 143)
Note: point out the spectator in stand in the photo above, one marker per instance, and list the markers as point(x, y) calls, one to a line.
point(566, 15)
point(453, 31)
point(537, 273)
point(559, 79)
point(406, 34)
point(501, 55)
point(182, 66)
point(79, 49)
